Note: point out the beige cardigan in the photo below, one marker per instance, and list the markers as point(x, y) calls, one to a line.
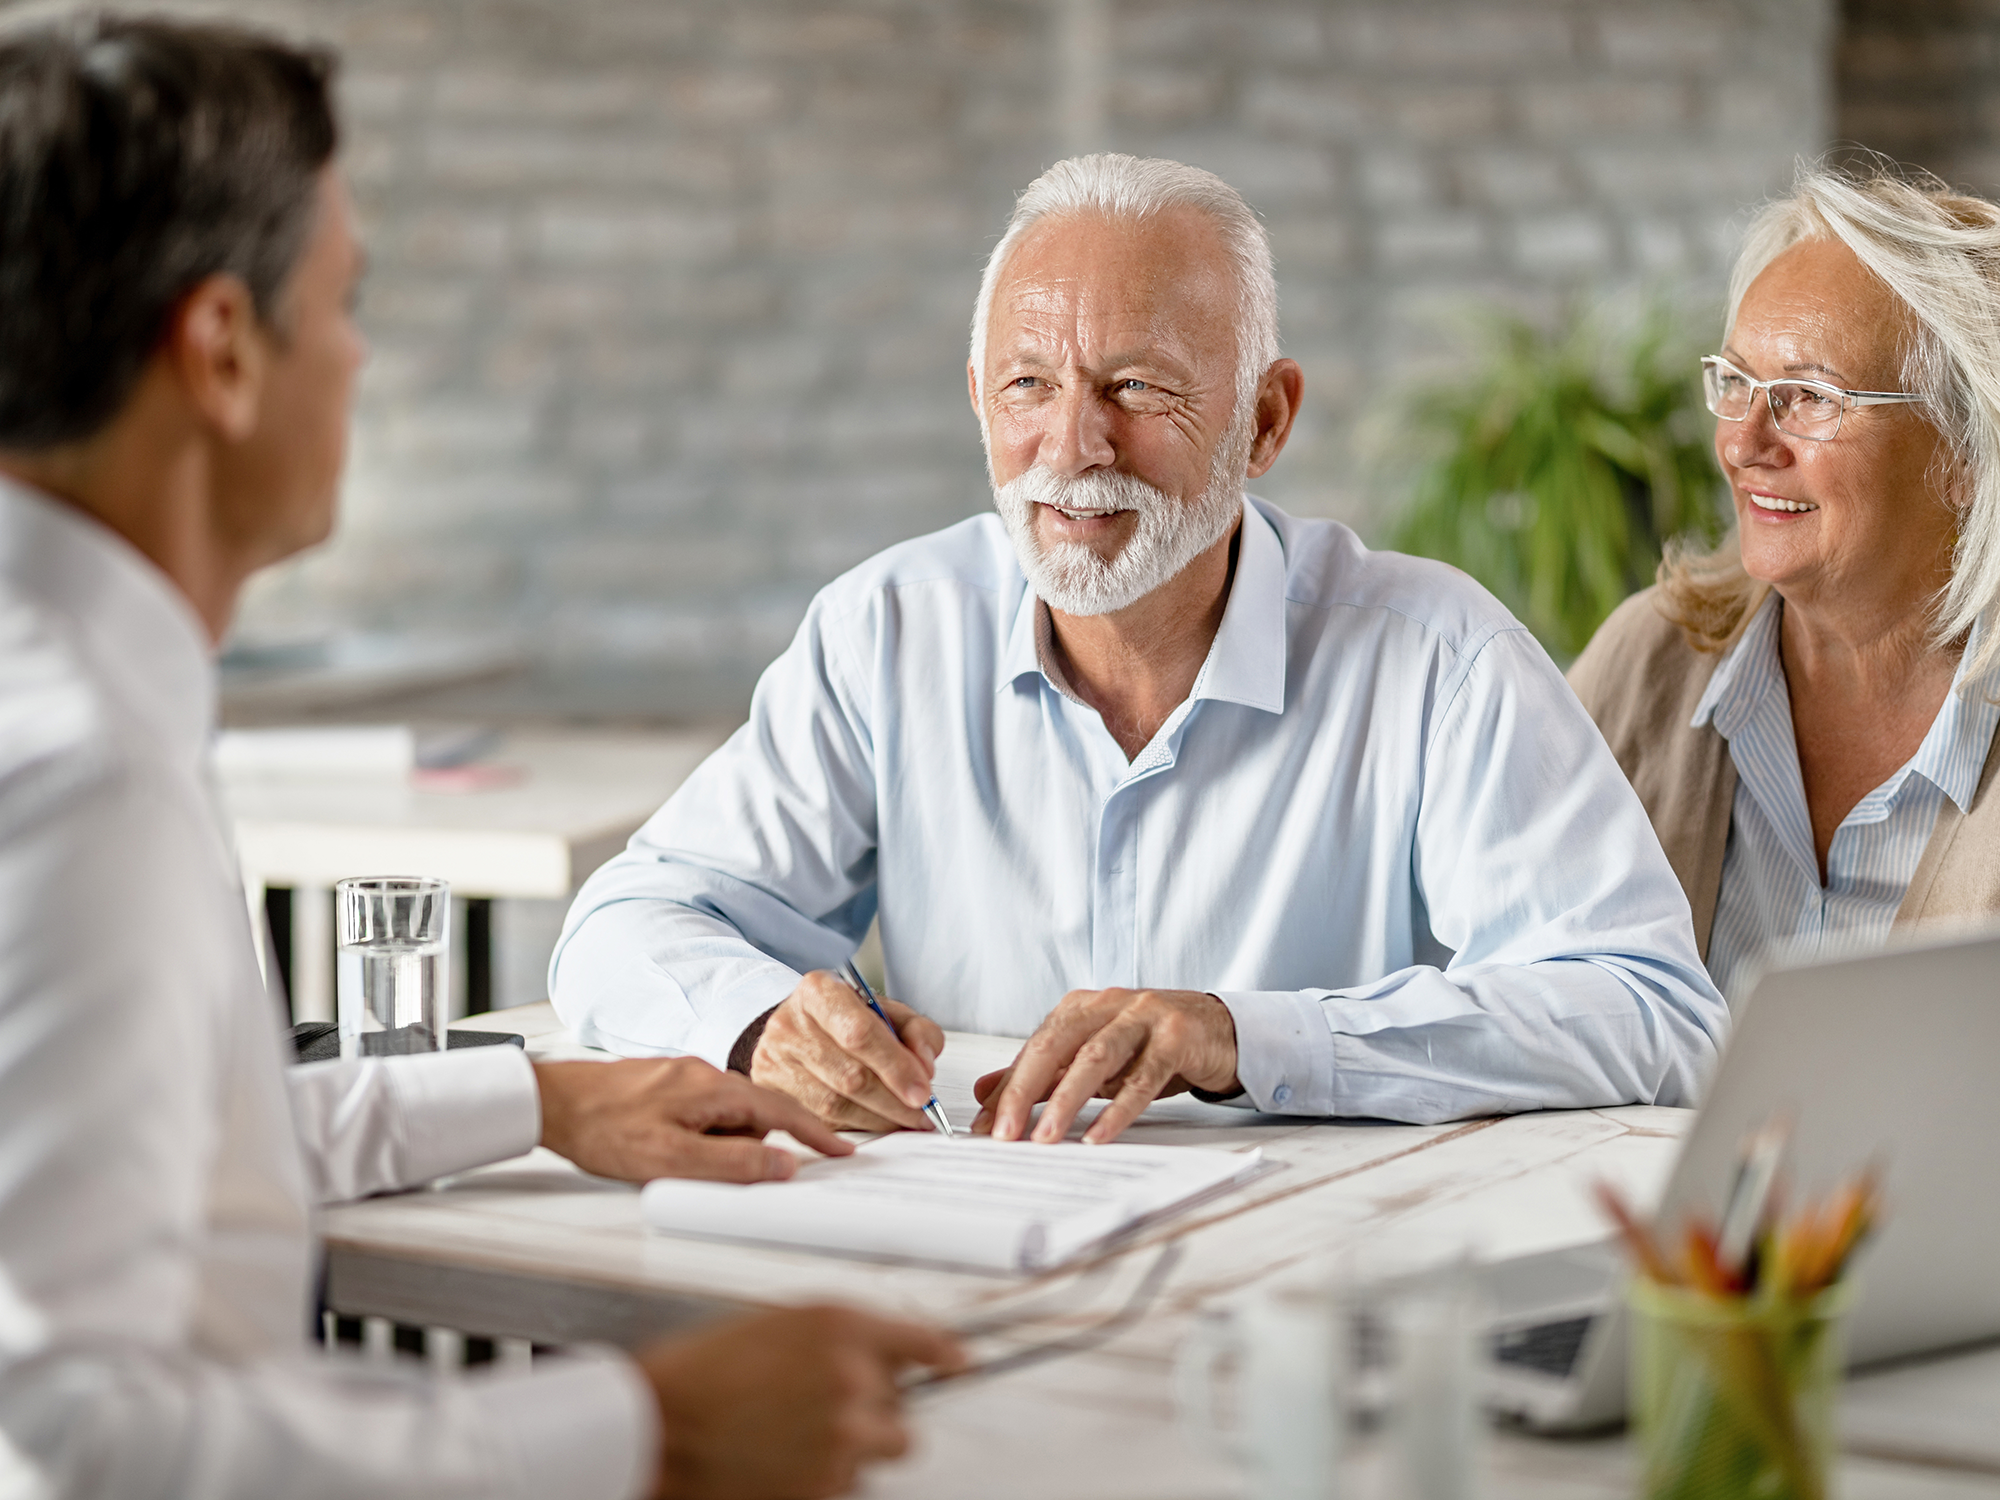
point(1641, 680)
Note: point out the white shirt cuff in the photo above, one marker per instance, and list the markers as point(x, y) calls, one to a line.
point(583, 1426)
point(724, 1016)
point(466, 1108)
point(1284, 1052)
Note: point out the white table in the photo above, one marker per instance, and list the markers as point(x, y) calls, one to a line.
point(533, 1249)
point(573, 799)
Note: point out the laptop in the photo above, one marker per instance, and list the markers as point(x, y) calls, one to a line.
point(1890, 1058)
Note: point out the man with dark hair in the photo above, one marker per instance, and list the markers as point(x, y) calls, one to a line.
point(177, 266)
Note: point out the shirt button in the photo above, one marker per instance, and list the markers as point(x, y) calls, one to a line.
point(1282, 1094)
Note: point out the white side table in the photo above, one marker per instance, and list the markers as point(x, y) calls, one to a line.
point(570, 800)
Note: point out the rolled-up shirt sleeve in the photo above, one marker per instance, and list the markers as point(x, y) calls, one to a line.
point(1572, 979)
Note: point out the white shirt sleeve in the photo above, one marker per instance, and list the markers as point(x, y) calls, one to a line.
point(122, 1420)
point(757, 871)
point(372, 1125)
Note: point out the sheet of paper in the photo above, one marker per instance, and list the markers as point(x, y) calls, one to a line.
point(971, 1201)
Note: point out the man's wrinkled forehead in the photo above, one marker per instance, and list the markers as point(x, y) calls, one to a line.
point(1110, 288)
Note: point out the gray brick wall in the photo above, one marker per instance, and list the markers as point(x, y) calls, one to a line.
point(669, 296)
point(1919, 80)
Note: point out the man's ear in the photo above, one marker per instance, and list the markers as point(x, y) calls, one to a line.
point(218, 350)
point(1279, 395)
point(972, 390)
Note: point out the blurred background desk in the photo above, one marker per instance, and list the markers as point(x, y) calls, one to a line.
point(528, 821)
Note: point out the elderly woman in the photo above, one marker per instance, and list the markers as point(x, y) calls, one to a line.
point(1808, 713)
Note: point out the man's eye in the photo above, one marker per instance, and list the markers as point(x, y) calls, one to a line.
point(1022, 382)
point(1133, 385)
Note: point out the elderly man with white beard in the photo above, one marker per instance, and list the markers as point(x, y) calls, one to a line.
point(1190, 793)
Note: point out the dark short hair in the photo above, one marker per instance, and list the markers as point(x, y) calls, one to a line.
point(138, 157)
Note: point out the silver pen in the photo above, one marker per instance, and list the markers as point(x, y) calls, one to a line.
point(933, 1111)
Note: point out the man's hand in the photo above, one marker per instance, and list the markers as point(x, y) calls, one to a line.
point(829, 1051)
point(1128, 1046)
point(784, 1405)
point(668, 1117)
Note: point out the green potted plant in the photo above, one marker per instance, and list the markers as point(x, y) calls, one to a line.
point(1556, 471)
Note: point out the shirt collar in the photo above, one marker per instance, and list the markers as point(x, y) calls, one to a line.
point(1246, 661)
point(1246, 664)
point(1023, 653)
point(138, 630)
point(1953, 753)
point(1747, 671)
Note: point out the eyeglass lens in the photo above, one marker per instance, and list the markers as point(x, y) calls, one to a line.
point(1803, 408)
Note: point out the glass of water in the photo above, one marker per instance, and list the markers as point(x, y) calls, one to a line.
point(393, 993)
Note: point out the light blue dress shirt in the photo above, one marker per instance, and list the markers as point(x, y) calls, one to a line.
point(1381, 829)
point(1772, 907)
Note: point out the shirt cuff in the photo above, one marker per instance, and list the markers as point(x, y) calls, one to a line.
point(583, 1426)
point(1284, 1052)
point(466, 1108)
point(724, 1016)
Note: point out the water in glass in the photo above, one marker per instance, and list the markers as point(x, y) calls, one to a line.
point(392, 986)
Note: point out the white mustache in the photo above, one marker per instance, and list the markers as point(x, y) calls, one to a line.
point(1071, 576)
point(1095, 494)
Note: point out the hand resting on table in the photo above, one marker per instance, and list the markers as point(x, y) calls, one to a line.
point(1128, 1046)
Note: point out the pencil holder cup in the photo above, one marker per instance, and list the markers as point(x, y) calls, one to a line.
point(1734, 1398)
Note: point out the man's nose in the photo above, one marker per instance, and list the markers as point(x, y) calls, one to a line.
point(1078, 437)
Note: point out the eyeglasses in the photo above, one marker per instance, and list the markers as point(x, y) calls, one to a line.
point(1809, 409)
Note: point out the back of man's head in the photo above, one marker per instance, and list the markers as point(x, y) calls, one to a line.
point(137, 159)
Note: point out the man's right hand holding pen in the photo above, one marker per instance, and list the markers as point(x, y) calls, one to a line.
point(828, 1050)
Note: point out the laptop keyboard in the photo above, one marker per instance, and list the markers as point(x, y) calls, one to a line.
point(1549, 1348)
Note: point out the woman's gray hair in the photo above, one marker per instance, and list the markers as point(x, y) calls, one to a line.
point(1129, 187)
point(1939, 253)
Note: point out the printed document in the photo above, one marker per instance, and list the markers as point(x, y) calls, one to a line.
point(993, 1205)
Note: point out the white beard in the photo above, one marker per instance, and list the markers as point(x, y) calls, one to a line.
point(1170, 534)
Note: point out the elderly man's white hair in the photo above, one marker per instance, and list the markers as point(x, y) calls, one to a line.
point(1128, 187)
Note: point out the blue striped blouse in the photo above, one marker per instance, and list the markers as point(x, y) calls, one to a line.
point(1772, 907)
